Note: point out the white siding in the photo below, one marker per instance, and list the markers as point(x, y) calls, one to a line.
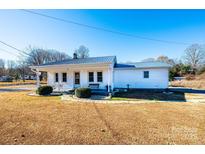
point(119, 78)
point(60, 84)
point(84, 77)
point(158, 78)
point(84, 82)
point(50, 78)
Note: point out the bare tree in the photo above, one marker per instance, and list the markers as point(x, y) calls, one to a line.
point(165, 59)
point(22, 69)
point(162, 58)
point(195, 56)
point(148, 60)
point(37, 56)
point(2, 67)
point(11, 65)
point(82, 52)
point(55, 55)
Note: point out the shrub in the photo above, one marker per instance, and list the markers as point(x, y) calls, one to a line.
point(44, 90)
point(83, 92)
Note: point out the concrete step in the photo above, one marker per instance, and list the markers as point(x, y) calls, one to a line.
point(99, 92)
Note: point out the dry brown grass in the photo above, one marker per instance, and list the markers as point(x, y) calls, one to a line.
point(20, 82)
point(47, 120)
point(201, 76)
point(198, 84)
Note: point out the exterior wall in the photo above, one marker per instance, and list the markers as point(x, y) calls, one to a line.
point(158, 78)
point(116, 78)
point(50, 78)
point(84, 82)
point(60, 85)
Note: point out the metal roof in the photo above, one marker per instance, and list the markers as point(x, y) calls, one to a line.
point(110, 59)
point(155, 64)
point(124, 66)
point(90, 60)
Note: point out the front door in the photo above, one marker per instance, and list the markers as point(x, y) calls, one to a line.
point(77, 79)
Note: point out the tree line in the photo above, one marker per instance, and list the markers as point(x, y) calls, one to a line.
point(36, 56)
point(192, 61)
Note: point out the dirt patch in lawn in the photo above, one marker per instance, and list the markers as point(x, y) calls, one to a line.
point(46, 120)
point(149, 95)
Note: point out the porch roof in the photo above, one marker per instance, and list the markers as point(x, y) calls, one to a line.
point(90, 60)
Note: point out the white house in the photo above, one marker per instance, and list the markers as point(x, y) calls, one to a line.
point(104, 73)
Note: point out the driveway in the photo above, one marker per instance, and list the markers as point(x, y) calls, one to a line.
point(16, 88)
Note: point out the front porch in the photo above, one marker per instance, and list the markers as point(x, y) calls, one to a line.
point(65, 78)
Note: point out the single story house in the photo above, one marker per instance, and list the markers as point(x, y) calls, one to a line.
point(104, 73)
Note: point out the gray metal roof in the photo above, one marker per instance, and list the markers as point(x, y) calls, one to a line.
point(155, 64)
point(124, 66)
point(110, 59)
point(90, 60)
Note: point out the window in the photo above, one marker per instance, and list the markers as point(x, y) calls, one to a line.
point(56, 77)
point(64, 77)
point(77, 78)
point(99, 77)
point(91, 76)
point(146, 74)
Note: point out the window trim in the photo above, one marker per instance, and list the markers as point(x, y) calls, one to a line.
point(65, 77)
point(101, 76)
point(57, 77)
point(89, 77)
point(75, 78)
point(144, 76)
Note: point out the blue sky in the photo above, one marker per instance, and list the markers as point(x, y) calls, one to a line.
point(22, 29)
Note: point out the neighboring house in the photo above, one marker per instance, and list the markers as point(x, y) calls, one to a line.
point(179, 78)
point(6, 79)
point(29, 77)
point(104, 73)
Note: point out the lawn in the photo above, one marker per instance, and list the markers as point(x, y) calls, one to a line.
point(19, 82)
point(47, 120)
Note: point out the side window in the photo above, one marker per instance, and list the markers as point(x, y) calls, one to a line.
point(91, 76)
point(64, 77)
point(56, 76)
point(146, 74)
point(77, 77)
point(99, 76)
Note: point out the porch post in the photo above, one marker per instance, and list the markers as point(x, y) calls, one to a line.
point(108, 88)
point(38, 78)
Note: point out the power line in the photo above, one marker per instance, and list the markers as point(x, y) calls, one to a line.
point(20, 51)
point(105, 30)
point(6, 51)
